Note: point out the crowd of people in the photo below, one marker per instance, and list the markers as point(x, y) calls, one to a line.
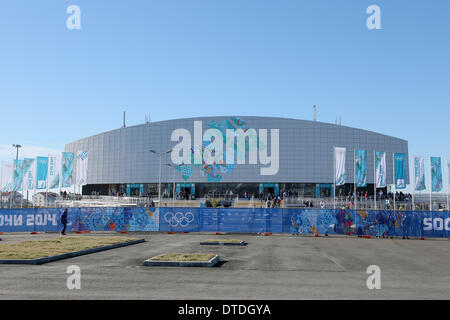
point(182, 195)
point(273, 200)
point(69, 195)
point(360, 196)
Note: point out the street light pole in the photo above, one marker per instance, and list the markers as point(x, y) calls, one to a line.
point(17, 146)
point(159, 182)
point(173, 191)
point(173, 187)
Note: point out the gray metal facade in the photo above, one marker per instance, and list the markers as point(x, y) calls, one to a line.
point(306, 152)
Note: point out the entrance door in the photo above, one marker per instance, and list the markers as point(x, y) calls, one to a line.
point(270, 190)
point(325, 192)
point(186, 192)
point(134, 192)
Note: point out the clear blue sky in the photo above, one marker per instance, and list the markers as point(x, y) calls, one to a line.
point(174, 59)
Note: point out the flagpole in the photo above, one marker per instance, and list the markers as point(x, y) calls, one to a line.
point(393, 178)
point(334, 176)
point(431, 186)
point(25, 185)
point(355, 190)
point(35, 186)
point(414, 189)
point(375, 178)
point(60, 174)
point(46, 181)
point(448, 180)
point(35, 179)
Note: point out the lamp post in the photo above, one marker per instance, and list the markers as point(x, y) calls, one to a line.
point(17, 146)
point(159, 183)
point(173, 187)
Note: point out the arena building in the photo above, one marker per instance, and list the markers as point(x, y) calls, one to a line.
point(278, 155)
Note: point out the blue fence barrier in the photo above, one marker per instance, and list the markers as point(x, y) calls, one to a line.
point(80, 219)
point(249, 220)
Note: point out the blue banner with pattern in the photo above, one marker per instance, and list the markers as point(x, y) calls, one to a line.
point(436, 174)
point(400, 170)
point(67, 169)
point(376, 223)
point(361, 168)
point(41, 172)
point(80, 219)
point(18, 175)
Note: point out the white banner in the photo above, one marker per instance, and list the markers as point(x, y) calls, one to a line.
point(339, 165)
point(54, 172)
point(380, 162)
point(82, 165)
point(7, 176)
point(29, 175)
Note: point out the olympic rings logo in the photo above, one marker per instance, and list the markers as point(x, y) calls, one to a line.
point(182, 219)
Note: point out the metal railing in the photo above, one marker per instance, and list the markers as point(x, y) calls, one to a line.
point(421, 202)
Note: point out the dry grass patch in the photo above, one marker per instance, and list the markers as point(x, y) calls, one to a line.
point(183, 257)
point(44, 248)
point(223, 240)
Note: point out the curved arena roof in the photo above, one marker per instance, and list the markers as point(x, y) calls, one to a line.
point(305, 152)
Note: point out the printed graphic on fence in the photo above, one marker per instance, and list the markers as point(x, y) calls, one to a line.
point(250, 220)
point(80, 219)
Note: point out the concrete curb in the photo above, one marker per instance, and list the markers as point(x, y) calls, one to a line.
point(69, 254)
point(211, 263)
point(220, 243)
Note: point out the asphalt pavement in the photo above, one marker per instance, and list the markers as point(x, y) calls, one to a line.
point(269, 267)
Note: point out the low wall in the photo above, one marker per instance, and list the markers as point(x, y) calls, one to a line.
point(248, 220)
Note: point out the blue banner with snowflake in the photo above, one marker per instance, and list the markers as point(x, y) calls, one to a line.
point(18, 175)
point(436, 174)
point(67, 161)
point(400, 170)
point(372, 223)
point(361, 168)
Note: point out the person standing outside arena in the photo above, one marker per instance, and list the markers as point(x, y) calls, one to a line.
point(64, 222)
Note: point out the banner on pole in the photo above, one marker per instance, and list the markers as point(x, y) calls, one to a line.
point(29, 169)
point(448, 172)
point(361, 168)
point(67, 169)
point(419, 173)
point(339, 157)
point(400, 170)
point(436, 174)
point(54, 172)
point(41, 172)
point(82, 165)
point(380, 165)
point(7, 176)
point(18, 175)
